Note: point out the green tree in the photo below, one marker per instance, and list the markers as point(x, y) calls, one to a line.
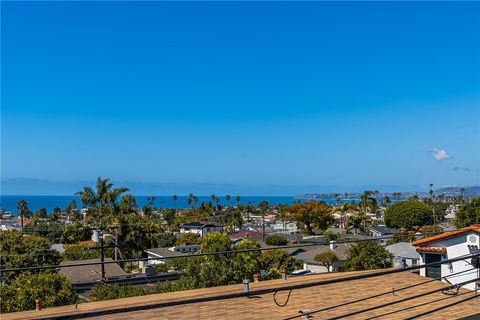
point(468, 214)
point(429, 231)
point(22, 207)
point(407, 214)
point(80, 251)
point(114, 291)
point(312, 215)
point(19, 251)
point(276, 240)
point(367, 255)
point(188, 239)
point(326, 259)
point(75, 232)
point(51, 288)
point(101, 202)
point(331, 236)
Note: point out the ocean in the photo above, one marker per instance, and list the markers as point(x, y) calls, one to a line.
point(9, 202)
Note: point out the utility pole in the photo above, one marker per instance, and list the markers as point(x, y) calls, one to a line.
point(102, 254)
point(263, 227)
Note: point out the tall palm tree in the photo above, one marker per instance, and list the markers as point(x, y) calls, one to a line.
point(22, 207)
point(174, 198)
point(462, 191)
point(228, 198)
point(103, 200)
point(430, 191)
point(237, 198)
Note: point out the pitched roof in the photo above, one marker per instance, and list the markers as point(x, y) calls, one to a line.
point(474, 228)
point(89, 273)
point(404, 250)
point(311, 298)
point(195, 224)
point(309, 253)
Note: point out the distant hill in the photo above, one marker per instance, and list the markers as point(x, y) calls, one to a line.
point(469, 191)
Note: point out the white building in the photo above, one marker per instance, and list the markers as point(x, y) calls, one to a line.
point(158, 255)
point(285, 227)
point(199, 228)
point(450, 245)
point(404, 255)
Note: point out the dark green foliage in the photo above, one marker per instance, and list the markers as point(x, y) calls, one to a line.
point(188, 239)
point(331, 236)
point(407, 214)
point(113, 291)
point(24, 251)
point(80, 252)
point(76, 232)
point(468, 214)
point(429, 231)
point(51, 288)
point(276, 240)
point(367, 255)
point(326, 259)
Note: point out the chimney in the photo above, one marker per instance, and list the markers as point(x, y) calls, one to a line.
point(333, 245)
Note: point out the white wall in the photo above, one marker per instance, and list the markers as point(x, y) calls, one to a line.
point(456, 247)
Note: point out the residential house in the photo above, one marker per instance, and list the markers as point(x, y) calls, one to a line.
point(450, 245)
point(404, 255)
point(307, 256)
point(86, 274)
point(158, 255)
point(381, 232)
point(288, 227)
point(199, 228)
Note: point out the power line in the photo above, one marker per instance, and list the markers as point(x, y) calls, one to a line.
point(207, 254)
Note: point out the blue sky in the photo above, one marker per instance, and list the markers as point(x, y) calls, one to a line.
point(256, 97)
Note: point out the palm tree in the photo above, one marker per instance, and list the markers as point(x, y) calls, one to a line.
point(386, 201)
point(431, 190)
point(212, 197)
point(103, 200)
point(462, 190)
point(174, 198)
point(228, 198)
point(237, 198)
point(22, 207)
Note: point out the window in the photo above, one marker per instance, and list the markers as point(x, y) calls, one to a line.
point(433, 271)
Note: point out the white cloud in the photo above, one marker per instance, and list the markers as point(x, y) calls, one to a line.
point(439, 154)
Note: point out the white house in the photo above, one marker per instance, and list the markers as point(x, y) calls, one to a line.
point(199, 228)
point(285, 227)
point(404, 254)
point(450, 245)
point(158, 255)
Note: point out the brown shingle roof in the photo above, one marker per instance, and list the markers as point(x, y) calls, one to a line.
point(89, 273)
point(311, 298)
point(474, 228)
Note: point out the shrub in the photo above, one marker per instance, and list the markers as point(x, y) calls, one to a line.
point(276, 240)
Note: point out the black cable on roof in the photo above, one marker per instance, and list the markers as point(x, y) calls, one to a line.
point(420, 305)
point(388, 292)
point(443, 307)
point(399, 301)
point(227, 296)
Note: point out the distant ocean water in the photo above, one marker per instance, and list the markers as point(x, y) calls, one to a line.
point(9, 202)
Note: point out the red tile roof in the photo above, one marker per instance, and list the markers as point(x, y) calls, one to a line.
point(434, 250)
point(474, 228)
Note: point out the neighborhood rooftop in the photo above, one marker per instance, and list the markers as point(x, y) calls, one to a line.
point(426, 299)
